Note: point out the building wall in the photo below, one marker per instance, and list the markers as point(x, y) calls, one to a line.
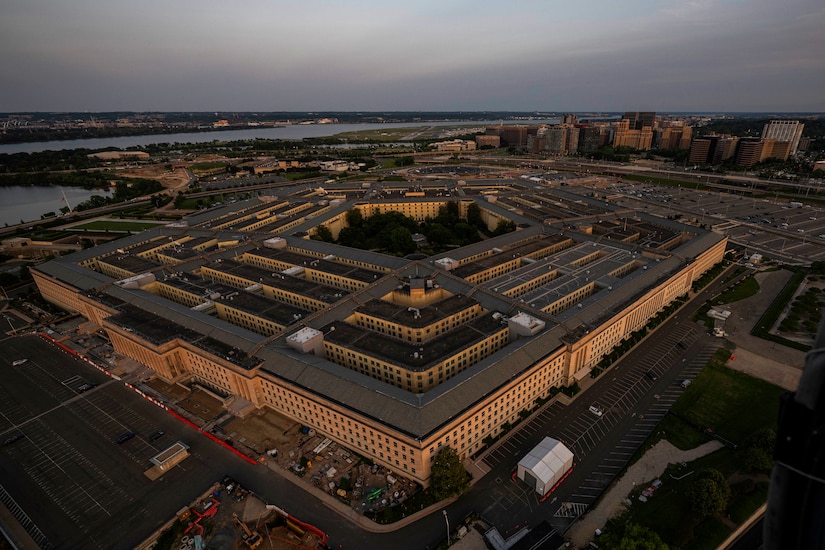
point(247, 320)
point(416, 381)
point(416, 334)
point(380, 442)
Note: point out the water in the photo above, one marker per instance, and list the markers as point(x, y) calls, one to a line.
point(29, 203)
point(297, 131)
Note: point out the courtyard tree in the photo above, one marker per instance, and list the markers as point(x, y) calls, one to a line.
point(322, 233)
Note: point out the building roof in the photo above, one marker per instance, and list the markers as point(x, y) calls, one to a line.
point(417, 415)
point(547, 459)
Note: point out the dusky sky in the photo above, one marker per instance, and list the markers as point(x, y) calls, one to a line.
point(313, 55)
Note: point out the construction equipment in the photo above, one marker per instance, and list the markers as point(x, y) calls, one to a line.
point(252, 538)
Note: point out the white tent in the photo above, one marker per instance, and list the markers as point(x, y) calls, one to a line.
point(545, 465)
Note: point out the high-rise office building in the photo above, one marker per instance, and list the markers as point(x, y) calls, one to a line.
point(556, 140)
point(749, 151)
point(589, 138)
point(712, 149)
point(672, 137)
point(640, 119)
point(569, 118)
point(625, 136)
point(784, 130)
point(572, 140)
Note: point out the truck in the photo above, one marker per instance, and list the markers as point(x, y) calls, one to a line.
point(252, 539)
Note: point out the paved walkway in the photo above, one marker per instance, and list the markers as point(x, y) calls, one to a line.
point(645, 470)
point(759, 358)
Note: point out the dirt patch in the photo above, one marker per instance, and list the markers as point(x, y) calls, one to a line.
point(231, 518)
point(201, 404)
point(261, 431)
point(170, 179)
point(173, 392)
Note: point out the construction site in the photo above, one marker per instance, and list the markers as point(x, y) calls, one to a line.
point(231, 517)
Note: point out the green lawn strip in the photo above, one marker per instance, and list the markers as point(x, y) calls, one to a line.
point(114, 225)
point(668, 511)
point(746, 288)
point(665, 181)
point(730, 403)
point(204, 166)
point(681, 434)
point(734, 406)
point(763, 326)
point(709, 534)
point(742, 506)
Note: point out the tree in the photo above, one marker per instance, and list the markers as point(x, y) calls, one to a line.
point(354, 237)
point(448, 476)
point(474, 216)
point(438, 235)
point(322, 233)
point(504, 226)
point(354, 218)
point(631, 536)
point(401, 241)
point(758, 450)
point(709, 493)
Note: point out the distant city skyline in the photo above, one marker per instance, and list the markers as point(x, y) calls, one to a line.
point(687, 56)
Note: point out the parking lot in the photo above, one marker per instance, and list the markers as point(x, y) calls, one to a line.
point(773, 226)
point(624, 410)
point(61, 466)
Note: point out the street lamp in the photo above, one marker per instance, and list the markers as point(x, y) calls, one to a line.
point(13, 330)
point(447, 520)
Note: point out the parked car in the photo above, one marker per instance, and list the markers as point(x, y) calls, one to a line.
point(595, 410)
point(156, 435)
point(12, 439)
point(124, 437)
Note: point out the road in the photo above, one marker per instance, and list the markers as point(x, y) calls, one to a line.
point(78, 486)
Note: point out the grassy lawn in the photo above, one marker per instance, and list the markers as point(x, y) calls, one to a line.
point(730, 403)
point(745, 288)
point(115, 225)
point(734, 406)
point(664, 181)
point(206, 166)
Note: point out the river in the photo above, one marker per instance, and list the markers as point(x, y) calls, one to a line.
point(294, 131)
point(28, 204)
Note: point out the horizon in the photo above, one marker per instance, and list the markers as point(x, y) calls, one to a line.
point(533, 113)
point(193, 56)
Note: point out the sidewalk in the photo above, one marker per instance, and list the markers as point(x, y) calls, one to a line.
point(646, 469)
point(348, 512)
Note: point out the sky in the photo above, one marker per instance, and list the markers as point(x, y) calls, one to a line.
point(420, 55)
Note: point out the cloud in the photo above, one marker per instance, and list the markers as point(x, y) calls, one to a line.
point(371, 55)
